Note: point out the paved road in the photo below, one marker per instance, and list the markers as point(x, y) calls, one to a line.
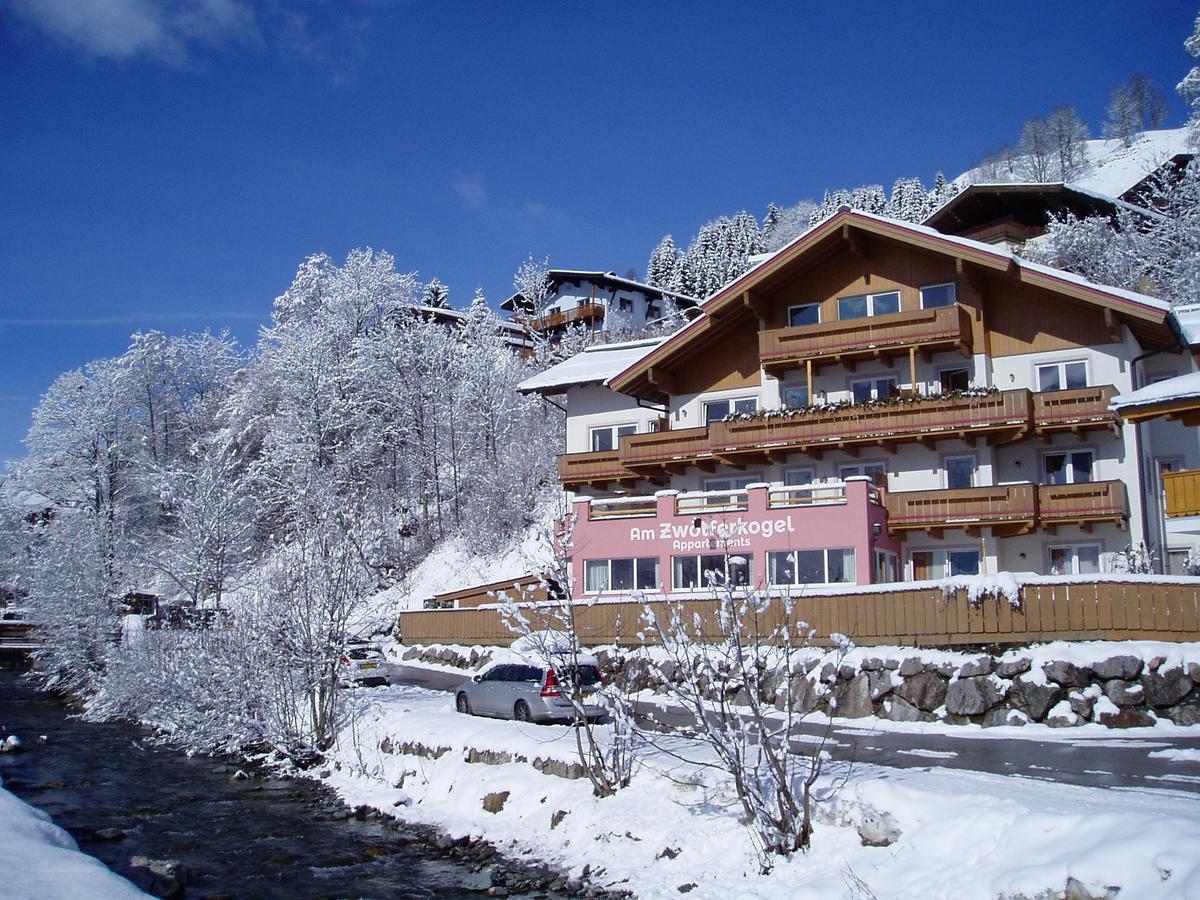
point(1119, 761)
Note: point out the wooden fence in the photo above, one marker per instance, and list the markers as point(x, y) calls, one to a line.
point(1103, 609)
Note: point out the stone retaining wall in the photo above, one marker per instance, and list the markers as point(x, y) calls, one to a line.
point(1115, 686)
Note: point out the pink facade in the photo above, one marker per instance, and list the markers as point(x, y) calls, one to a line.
point(748, 524)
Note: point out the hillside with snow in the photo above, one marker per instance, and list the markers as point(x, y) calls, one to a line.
point(1112, 168)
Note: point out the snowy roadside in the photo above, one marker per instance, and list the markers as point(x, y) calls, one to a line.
point(957, 834)
point(40, 861)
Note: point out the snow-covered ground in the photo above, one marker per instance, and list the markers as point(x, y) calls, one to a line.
point(961, 834)
point(40, 861)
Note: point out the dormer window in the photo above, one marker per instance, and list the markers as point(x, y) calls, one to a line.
point(864, 305)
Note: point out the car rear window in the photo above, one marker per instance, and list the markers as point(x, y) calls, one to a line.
point(364, 653)
point(587, 675)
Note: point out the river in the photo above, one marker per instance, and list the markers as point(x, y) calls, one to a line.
point(255, 837)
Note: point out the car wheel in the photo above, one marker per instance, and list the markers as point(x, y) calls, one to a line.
point(521, 712)
point(462, 704)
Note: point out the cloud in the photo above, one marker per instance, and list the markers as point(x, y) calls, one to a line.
point(122, 29)
point(339, 47)
point(533, 211)
point(470, 189)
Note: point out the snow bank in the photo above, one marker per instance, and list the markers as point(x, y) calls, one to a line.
point(40, 861)
point(962, 834)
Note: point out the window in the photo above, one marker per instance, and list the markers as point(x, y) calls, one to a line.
point(808, 314)
point(698, 572)
point(653, 311)
point(731, 483)
point(625, 304)
point(868, 305)
point(887, 567)
point(960, 472)
point(716, 410)
point(798, 477)
point(605, 437)
point(795, 396)
point(955, 379)
point(1177, 561)
point(933, 564)
point(639, 574)
point(876, 471)
point(937, 295)
point(1075, 559)
point(1068, 467)
point(795, 567)
point(877, 388)
point(1062, 376)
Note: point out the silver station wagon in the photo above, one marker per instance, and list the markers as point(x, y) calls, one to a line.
point(531, 692)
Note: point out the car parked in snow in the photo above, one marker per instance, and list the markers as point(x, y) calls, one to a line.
point(365, 664)
point(531, 691)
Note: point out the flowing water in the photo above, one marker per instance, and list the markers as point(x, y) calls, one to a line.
point(258, 837)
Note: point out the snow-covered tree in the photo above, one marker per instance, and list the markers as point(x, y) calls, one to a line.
point(1037, 150)
point(1189, 87)
point(1069, 136)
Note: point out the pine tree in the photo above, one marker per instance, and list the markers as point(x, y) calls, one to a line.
point(436, 295)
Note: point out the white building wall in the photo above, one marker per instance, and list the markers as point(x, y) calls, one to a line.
point(594, 405)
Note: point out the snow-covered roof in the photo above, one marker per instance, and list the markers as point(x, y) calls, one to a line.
point(1116, 169)
point(595, 365)
point(1181, 387)
point(558, 276)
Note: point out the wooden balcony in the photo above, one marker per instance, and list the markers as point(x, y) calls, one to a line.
point(1183, 492)
point(1000, 417)
point(1083, 504)
point(578, 469)
point(1077, 410)
point(585, 312)
point(879, 337)
point(1007, 508)
point(666, 450)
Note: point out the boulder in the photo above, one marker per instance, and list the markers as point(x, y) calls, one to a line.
point(900, 710)
point(556, 819)
point(926, 691)
point(1166, 688)
point(872, 664)
point(494, 802)
point(12, 744)
point(804, 695)
point(1068, 674)
point(846, 672)
point(1183, 713)
point(1125, 668)
point(1010, 668)
point(1003, 715)
point(981, 665)
point(1193, 670)
point(1126, 718)
point(911, 666)
point(878, 829)
point(160, 877)
point(891, 664)
point(1077, 890)
point(1081, 703)
point(1032, 698)
point(972, 696)
point(853, 698)
point(1062, 716)
point(880, 682)
point(1124, 693)
point(944, 669)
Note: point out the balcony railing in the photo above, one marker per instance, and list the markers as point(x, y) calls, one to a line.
point(1077, 409)
point(585, 311)
point(581, 468)
point(999, 417)
point(1004, 413)
point(1011, 508)
point(1014, 504)
point(944, 328)
point(1183, 492)
point(1083, 504)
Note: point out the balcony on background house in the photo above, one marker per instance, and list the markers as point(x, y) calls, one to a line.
point(1076, 410)
point(876, 337)
point(585, 312)
point(1183, 492)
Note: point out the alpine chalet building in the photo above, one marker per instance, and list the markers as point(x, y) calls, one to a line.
point(875, 402)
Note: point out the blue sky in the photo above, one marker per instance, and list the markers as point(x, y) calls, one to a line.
point(168, 164)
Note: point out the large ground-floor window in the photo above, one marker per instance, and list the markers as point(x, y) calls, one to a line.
point(639, 574)
point(1074, 559)
point(932, 564)
point(795, 567)
point(697, 572)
